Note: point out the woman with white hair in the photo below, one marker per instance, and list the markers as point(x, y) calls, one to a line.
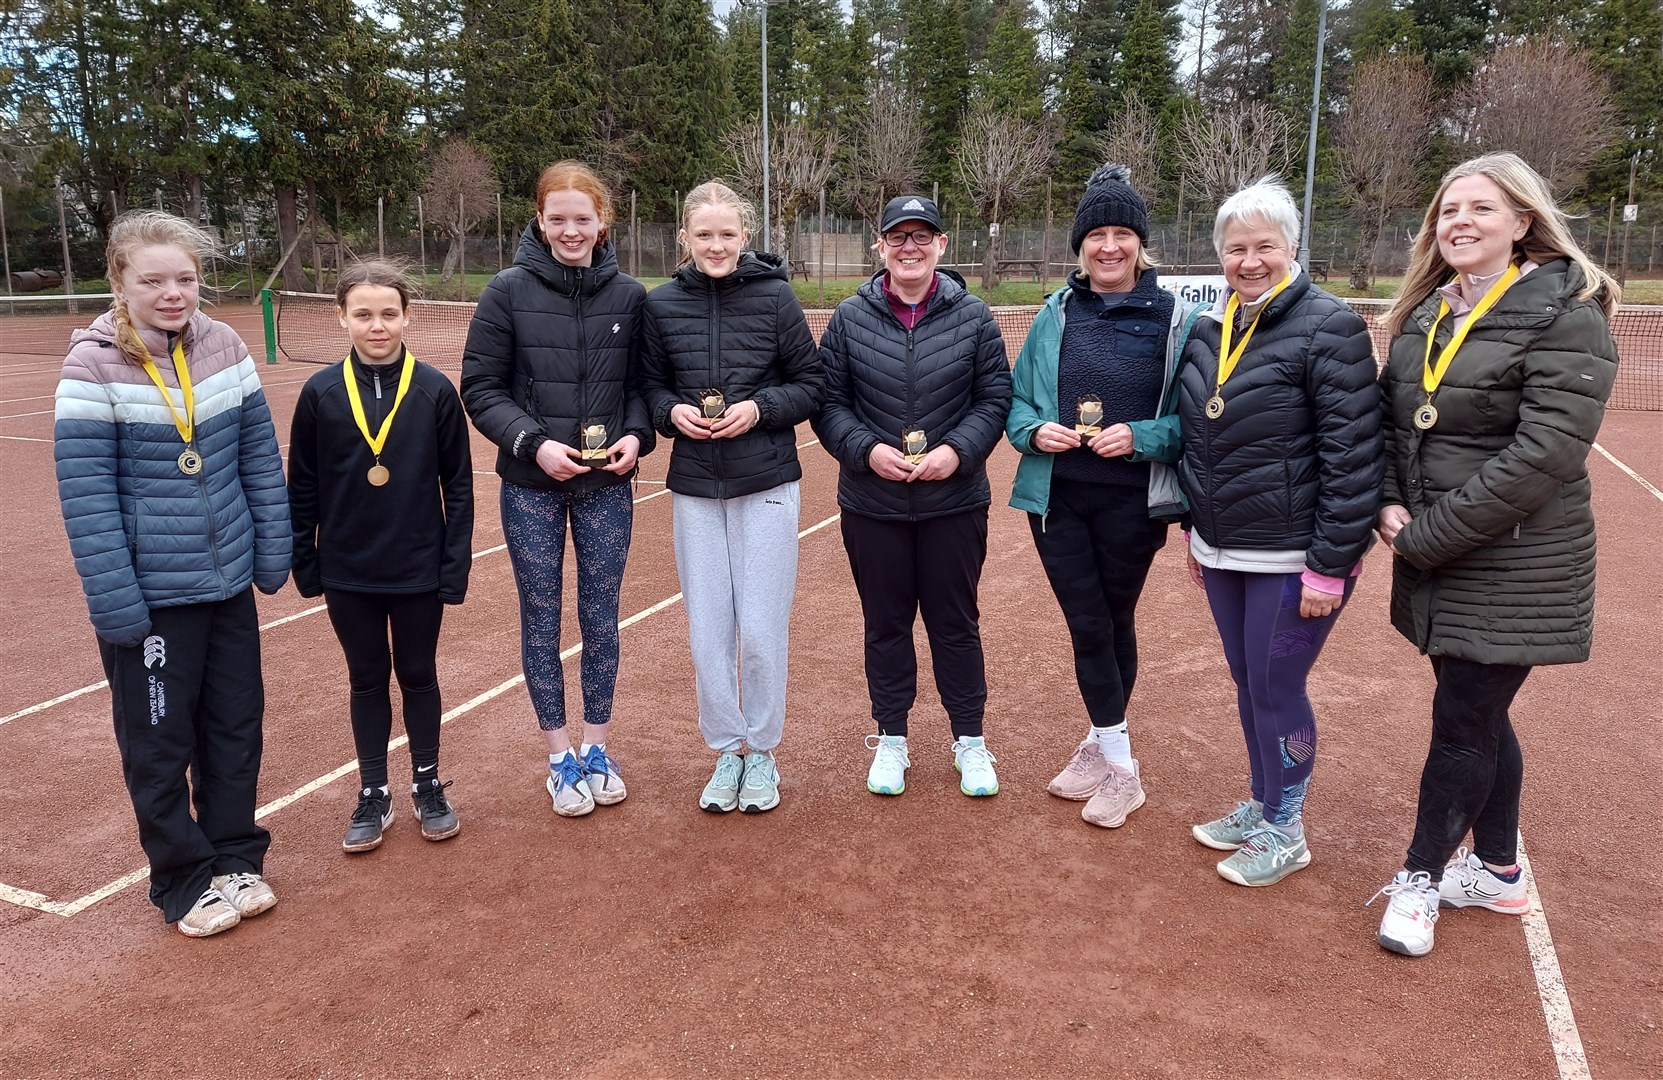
point(1500, 365)
point(1282, 466)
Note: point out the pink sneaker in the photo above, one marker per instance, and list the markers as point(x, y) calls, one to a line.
point(1083, 774)
point(1120, 793)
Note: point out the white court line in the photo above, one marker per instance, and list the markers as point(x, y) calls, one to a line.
point(1642, 481)
point(36, 397)
point(23, 438)
point(1550, 982)
point(40, 902)
point(22, 415)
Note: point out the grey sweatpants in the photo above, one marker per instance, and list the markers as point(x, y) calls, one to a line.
point(738, 564)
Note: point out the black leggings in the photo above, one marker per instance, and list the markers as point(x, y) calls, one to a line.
point(362, 621)
point(1474, 768)
point(1096, 545)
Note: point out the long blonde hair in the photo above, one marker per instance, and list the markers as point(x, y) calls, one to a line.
point(714, 193)
point(140, 229)
point(1547, 237)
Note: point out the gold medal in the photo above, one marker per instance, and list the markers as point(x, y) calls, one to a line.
point(190, 462)
point(1228, 358)
point(1215, 407)
point(1433, 374)
point(1426, 416)
point(378, 474)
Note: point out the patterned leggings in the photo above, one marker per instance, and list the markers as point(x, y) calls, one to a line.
point(534, 523)
point(1271, 650)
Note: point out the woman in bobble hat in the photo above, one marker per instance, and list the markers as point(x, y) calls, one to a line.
point(1093, 419)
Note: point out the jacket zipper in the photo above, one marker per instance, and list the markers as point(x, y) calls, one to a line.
point(583, 416)
point(716, 381)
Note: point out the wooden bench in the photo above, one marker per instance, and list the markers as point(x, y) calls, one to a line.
point(799, 268)
point(1318, 268)
point(1026, 267)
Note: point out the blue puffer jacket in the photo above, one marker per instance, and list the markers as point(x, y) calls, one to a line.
point(143, 533)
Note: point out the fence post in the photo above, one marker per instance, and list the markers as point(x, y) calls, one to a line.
point(248, 246)
point(270, 322)
point(421, 235)
point(63, 234)
point(499, 230)
point(5, 242)
point(1045, 247)
point(821, 254)
point(381, 226)
point(1610, 218)
point(461, 246)
point(634, 239)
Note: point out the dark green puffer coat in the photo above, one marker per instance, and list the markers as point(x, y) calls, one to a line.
point(1497, 564)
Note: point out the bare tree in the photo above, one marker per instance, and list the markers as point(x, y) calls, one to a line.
point(462, 189)
point(1001, 159)
point(1134, 140)
point(1381, 140)
point(1544, 100)
point(800, 162)
point(885, 155)
point(1226, 149)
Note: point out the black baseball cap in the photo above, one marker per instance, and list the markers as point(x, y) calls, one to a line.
point(910, 208)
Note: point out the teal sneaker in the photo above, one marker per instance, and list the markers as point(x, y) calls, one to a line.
point(1265, 857)
point(759, 787)
point(974, 763)
point(1230, 831)
point(721, 794)
point(888, 774)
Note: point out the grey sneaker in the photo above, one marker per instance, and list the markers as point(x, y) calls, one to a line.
point(759, 789)
point(439, 821)
point(1230, 831)
point(1265, 857)
point(722, 793)
point(369, 821)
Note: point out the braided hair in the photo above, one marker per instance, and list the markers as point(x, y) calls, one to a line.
point(139, 229)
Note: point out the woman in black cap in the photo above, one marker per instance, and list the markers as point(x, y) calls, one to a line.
point(917, 387)
point(1093, 419)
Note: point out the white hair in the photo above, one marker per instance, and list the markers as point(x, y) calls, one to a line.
point(1266, 201)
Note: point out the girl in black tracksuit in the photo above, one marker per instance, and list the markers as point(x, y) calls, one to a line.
point(381, 498)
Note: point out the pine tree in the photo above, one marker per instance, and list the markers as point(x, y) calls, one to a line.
point(1010, 77)
point(937, 76)
point(1452, 35)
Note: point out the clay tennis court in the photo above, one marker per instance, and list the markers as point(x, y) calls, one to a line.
point(843, 934)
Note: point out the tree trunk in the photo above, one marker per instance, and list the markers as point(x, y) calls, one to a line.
point(453, 255)
point(990, 276)
point(1362, 261)
point(288, 230)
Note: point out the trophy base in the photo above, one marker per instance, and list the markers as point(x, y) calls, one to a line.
point(1088, 429)
point(592, 455)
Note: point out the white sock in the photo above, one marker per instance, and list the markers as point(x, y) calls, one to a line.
point(556, 759)
point(590, 746)
point(1116, 744)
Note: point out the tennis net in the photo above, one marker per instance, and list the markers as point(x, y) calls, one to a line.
point(303, 327)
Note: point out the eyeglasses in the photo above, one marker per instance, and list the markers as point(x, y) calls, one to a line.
point(899, 237)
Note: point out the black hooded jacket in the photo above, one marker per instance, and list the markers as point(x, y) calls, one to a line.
point(551, 348)
point(948, 375)
point(745, 335)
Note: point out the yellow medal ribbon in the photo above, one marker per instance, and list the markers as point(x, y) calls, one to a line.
point(1432, 375)
point(379, 439)
point(187, 423)
point(1228, 358)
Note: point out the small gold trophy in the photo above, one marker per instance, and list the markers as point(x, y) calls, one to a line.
point(1091, 415)
point(712, 404)
point(594, 443)
point(912, 444)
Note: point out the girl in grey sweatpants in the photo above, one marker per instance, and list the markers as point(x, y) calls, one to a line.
point(730, 370)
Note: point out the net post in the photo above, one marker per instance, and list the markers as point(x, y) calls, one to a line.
point(270, 320)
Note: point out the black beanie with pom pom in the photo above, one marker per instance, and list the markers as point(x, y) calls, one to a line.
point(1109, 200)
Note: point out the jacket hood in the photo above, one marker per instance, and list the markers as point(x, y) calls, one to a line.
point(102, 332)
point(534, 255)
point(752, 265)
point(949, 288)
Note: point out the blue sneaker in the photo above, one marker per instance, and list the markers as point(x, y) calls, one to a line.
point(601, 774)
point(567, 787)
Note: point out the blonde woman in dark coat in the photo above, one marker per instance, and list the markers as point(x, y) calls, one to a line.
point(1499, 370)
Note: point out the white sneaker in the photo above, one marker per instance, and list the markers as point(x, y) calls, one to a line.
point(568, 789)
point(1469, 883)
point(248, 893)
point(1410, 916)
point(888, 774)
point(211, 914)
point(975, 765)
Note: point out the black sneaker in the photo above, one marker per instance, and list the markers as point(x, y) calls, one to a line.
point(438, 819)
point(374, 814)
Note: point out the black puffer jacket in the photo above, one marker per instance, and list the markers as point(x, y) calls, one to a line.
point(1297, 459)
point(551, 348)
point(1496, 564)
point(948, 375)
point(743, 334)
